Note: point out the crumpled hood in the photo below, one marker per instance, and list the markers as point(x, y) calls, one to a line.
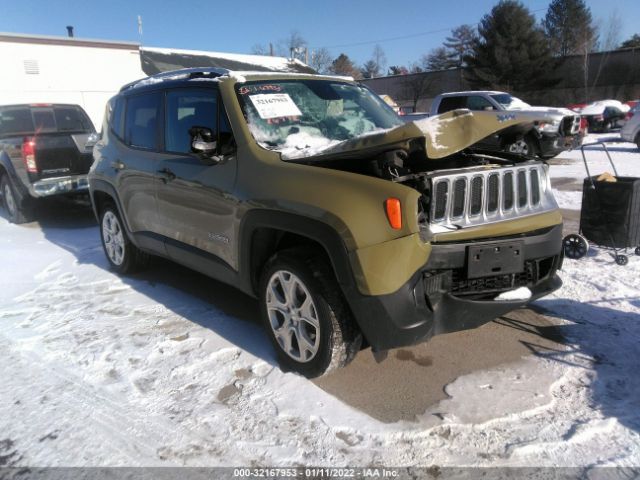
point(444, 134)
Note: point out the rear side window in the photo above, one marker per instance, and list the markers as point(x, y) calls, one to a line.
point(15, 121)
point(451, 103)
point(141, 121)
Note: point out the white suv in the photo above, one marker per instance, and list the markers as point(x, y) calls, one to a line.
point(631, 130)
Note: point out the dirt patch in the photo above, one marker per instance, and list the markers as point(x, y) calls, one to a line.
point(412, 379)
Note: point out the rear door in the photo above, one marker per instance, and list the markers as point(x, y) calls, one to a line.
point(135, 159)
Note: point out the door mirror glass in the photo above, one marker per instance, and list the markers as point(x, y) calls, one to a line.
point(203, 143)
point(202, 140)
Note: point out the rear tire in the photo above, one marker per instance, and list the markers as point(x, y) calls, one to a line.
point(122, 255)
point(16, 213)
point(305, 314)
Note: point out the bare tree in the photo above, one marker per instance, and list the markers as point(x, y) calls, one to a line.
point(611, 29)
point(415, 87)
point(259, 49)
point(294, 46)
point(379, 58)
point(320, 60)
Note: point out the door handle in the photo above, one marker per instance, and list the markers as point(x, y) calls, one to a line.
point(166, 175)
point(118, 165)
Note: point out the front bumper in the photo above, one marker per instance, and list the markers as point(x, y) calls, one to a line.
point(439, 299)
point(552, 145)
point(59, 186)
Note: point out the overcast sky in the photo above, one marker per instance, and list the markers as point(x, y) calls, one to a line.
point(404, 28)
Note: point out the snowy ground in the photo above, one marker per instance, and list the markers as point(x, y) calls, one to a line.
point(101, 370)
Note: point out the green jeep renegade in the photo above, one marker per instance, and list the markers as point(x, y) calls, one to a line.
point(352, 227)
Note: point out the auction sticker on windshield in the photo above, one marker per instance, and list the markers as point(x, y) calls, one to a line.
point(274, 105)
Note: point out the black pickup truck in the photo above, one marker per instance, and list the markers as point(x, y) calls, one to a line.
point(45, 150)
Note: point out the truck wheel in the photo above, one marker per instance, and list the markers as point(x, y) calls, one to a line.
point(522, 146)
point(16, 213)
point(123, 256)
point(305, 314)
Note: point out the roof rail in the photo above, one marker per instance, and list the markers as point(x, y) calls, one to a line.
point(185, 73)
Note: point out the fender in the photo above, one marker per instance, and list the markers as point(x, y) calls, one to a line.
point(313, 229)
point(98, 185)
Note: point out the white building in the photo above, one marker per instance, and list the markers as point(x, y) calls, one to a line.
point(87, 72)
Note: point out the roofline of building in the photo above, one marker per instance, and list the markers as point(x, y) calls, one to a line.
point(69, 41)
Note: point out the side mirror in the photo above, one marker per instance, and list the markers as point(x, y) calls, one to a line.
point(204, 145)
point(488, 109)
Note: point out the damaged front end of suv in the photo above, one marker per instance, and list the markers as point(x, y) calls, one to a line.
point(481, 233)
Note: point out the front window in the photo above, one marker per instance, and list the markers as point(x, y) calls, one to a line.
point(509, 102)
point(303, 117)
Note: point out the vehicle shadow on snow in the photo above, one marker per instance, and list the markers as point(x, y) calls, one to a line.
point(411, 379)
point(196, 297)
point(603, 342)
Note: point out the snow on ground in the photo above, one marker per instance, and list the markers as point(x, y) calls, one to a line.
point(109, 371)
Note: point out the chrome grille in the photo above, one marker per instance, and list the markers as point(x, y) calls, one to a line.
point(476, 197)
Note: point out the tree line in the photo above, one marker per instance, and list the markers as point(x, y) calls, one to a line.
point(507, 50)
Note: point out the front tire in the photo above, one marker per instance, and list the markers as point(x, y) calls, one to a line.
point(521, 146)
point(123, 256)
point(17, 214)
point(305, 314)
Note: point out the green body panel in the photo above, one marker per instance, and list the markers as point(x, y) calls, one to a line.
point(383, 268)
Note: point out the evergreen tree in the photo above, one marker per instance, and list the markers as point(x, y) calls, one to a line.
point(398, 70)
point(633, 42)
point(370, 69)
point(569, 26)
point(460, 43)
point(511, 52)
point(344, 66)
point(438, 59)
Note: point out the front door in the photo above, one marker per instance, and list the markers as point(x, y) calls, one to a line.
point(195, 203)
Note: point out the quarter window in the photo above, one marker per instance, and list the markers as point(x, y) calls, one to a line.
point(117, 117)
point(141, 121)
point(186, 109)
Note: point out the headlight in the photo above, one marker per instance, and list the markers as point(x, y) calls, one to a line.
point(548, 127)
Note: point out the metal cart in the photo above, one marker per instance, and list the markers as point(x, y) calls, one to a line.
point(609, 217)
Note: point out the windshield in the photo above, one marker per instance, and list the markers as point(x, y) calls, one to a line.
point(509, 102)
point(303, 117)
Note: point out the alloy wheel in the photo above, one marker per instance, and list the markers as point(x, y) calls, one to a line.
point(113, 238)
point(293, 316)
